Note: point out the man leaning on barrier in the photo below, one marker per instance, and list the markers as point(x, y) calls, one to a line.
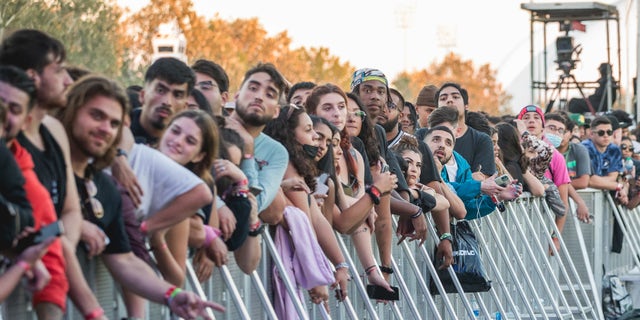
point(93, 119)
point(606, 160)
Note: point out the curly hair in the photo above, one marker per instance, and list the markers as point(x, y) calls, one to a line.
point(282, 130)
point(407, 143)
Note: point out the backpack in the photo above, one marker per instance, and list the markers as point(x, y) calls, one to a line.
point(615, 299)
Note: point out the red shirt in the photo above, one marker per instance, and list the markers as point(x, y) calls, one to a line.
point(44, 213)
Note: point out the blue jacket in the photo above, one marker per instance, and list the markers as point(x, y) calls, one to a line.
point(475, 202)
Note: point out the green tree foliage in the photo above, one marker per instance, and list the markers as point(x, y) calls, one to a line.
point(89, 29)
point(485, 92)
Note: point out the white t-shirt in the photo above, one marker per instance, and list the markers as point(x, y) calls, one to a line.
point(161, 179)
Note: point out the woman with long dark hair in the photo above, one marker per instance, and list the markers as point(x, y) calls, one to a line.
point(515, 159)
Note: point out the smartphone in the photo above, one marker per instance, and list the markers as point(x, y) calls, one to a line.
point(380, 293)
point(52, 230)
point(503, 180)
point(321, 185)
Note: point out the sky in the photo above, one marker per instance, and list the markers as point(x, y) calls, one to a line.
point(398, 35)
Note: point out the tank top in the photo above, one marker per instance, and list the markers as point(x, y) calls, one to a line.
point(49, 166)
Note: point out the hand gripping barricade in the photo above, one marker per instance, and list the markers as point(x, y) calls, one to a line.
point(527, 282)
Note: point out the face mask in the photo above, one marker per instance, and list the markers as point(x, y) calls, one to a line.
point(554, 139)
point(311, 151)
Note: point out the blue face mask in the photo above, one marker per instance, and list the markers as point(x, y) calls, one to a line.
point(554, 139)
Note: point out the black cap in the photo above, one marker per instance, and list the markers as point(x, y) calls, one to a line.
point(615, 124)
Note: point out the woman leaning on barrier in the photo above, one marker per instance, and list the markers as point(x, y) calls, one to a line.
point(515, 161)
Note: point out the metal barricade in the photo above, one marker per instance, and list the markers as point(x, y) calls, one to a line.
point(527, 282)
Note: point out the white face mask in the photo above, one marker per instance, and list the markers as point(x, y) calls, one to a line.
point(554, 139)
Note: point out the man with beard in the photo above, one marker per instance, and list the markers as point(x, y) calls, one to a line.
point(475, 194)
point(470, 143)
point(42, 58)
point(372, 87)
point(167, 84)
point(93, 120)
point(396, 108)
point(265, 160)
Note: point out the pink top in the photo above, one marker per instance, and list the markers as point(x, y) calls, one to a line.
point(558, 169)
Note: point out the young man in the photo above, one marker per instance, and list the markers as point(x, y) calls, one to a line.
point(470, 143)
point(213, 82)
point(531, 120)
point(371, 85)
point(167, 84)
point(299, 92)
point(18, 91)
point(455, 170)
point(425, 104)
point(558, 131)
point(42, 58)
point(391, 126)
point(265, 159)
point(606, 159)
point(93, 119)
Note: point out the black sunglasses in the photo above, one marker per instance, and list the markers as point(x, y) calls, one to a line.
point(602, 132)
point(625, 147)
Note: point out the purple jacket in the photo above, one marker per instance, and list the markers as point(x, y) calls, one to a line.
point(303, 260)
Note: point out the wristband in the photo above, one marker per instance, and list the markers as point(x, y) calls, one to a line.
point(247, 156)
point(256, 229)
point(143, 227)
point(446, 236)
point(24, 265)
point(619, 187)
point(386, 270)
point(168, 293)
point(173, 295)
point(242, 183)
point(94, 314)
point(374, 193)
point(369, 269)
point(342, 265)
point(417, 214)
point(210, 234)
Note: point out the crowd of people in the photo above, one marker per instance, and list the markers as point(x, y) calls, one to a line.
point(178, 168)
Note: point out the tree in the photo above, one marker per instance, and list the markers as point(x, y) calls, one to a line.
point(89, 29)
point(485, 93)
point(236, 45)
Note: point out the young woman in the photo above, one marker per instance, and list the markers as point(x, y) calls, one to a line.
point(330, 102)
point(294, 129)
point(515, 161)
point(497, 154)
point(407, 149)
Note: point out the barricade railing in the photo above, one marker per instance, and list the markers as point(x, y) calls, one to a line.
point(527, 282)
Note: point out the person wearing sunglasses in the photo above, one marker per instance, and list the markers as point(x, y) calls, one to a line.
point(94, 119)
point(632, 169)
point(606, 159)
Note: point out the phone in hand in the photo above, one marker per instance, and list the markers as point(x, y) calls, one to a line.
point(321, 185)
point(503, 180)
point(52, 230)
point(380, 293)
